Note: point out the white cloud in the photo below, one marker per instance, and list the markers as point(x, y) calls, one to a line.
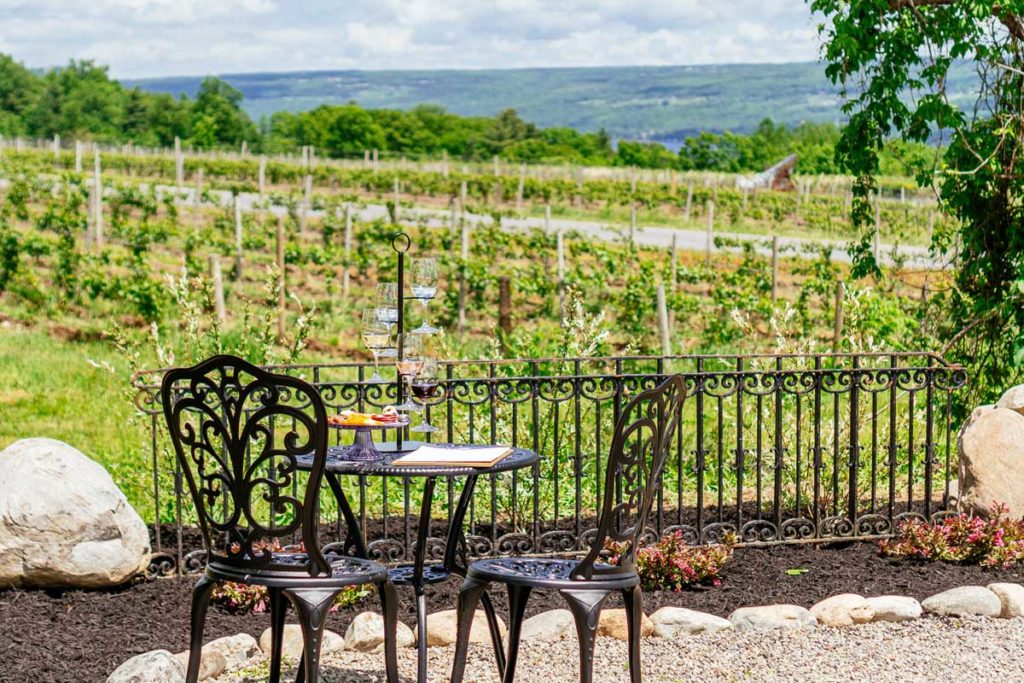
point(166, 37)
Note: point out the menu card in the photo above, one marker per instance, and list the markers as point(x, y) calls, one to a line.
point(454, 456)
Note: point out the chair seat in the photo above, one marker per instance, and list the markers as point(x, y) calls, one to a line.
point(548, 573)
point(291, 569)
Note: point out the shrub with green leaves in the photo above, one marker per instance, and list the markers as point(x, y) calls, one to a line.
point(672, 565)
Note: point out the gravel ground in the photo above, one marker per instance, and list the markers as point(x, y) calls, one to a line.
point(930, 649)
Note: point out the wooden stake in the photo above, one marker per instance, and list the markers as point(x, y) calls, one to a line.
point(238, 238)
point(348, 253)
point(775, 267)
point(463, 284)
point(376, 160)
point(663, 328)
point(179, 164)
point(281, 281)
point(710, 242)
point(632, 225)
point(497, 166)
point(674, 277)
point(397, 201)
point(505, 305)
point(262, 176)
point(98, 203)
point(78, 156)
point(444, 163)
point(520, 187)
point(197, 200)
point(837, 334)
point(56, 148)
point(560, 244)
point(689, 202)
point(218, 288)
point(307, 200)
point(547, 219)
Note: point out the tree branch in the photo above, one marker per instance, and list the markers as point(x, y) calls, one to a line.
point(1011, 21)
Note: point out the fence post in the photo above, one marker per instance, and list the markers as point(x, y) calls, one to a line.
point(775, 268)
point(281, 281)
point(663, 327)
point(689, 202)
point(837, 333)
point(218, 288)
point(520, 187)
point(78, 156)
point(238, 238)
point(98, 204)
point(345, 278)
point(710, 240)
point(179, 164)
point(262, 176)
point(197, 199)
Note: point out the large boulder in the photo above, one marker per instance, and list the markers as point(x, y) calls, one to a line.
point(964, 601)
point(63, 521)
point(845, 609)
point(992, 461)
point(671, 621)
point(158, 666)
point(772, 617)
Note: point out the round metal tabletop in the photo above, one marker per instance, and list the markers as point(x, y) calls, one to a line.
point(517, 459)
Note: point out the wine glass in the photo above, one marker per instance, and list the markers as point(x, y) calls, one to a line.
point(387, 309)
point(409, 362)
point(424, 385)
point(423, 275)
point(376, 336)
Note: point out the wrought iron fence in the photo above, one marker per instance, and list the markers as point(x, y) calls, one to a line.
point(773, 449)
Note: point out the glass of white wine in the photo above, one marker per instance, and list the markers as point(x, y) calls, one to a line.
point(376, 335)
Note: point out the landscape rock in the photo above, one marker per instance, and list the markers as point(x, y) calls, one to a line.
point(613, 624)
point(291, 644)
point(158, 666)
point(670, 621)
point(211, 663)
point(366, 633)
point(63, 521)
point(894, 608)
point(237, 650)
point(549, 627)
point(442, 628)
point(964, 601)
point(845, 609)
point(772, 617)
point(1011, 597)
point(1012, 399)
point(992, 461)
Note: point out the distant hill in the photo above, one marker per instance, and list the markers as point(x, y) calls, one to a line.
point(663, 103)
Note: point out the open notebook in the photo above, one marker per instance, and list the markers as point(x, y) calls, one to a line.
point(454, 457)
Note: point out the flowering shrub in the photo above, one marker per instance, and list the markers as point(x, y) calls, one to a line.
point(671, 564)
point(239, 598)
point(994, 542)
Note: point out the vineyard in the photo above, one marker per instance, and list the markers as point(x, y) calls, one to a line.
point(178, 256)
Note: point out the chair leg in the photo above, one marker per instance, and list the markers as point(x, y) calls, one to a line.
point(585, 606)
point(634, 600)
point(389, 606)
point(278, 610)
point(517, 599)
point(492, 625)
point(200, 603)
point(312, 606)
point(469, 596)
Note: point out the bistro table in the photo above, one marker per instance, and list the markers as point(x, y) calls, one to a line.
point(418, 574)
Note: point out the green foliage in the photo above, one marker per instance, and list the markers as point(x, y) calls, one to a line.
point(670, 564)
point(994, 542)
point(904, 54)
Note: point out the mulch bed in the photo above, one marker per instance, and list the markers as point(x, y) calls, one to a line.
point(84, 635)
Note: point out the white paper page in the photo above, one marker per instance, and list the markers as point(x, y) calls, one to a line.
point(455, 455)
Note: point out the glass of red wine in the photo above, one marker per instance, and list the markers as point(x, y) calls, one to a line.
point(424, 386)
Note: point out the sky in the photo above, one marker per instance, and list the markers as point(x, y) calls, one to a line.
point(139, 38)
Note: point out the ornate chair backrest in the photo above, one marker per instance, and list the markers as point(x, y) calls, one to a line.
point(640, 446)
point(237, 430)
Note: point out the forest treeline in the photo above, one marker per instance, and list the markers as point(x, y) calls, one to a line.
point(82, 101)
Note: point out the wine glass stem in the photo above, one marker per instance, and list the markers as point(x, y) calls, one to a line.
point(425, 303)
point(376, 363)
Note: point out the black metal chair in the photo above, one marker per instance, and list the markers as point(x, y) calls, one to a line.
point(639, 449)
point(237, 430)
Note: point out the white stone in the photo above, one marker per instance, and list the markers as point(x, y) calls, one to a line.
point(442, 628)
point(671, 621)
point(158, 666)
point(211, 663)
point(992, 461)
point(549, 627)
point(63, 521)
point(291, 643)
point(845, 609)
point(237, 649)
point(894, 608)
point(964, 601)
point(1012, 399)
point(772, 617)
point(1011, 597)
point(366, 633)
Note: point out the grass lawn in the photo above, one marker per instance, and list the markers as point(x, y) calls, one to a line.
point(48, 388)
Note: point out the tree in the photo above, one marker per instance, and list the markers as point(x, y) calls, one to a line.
point(18, 89)
point(217, 116)
point(893, 60)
